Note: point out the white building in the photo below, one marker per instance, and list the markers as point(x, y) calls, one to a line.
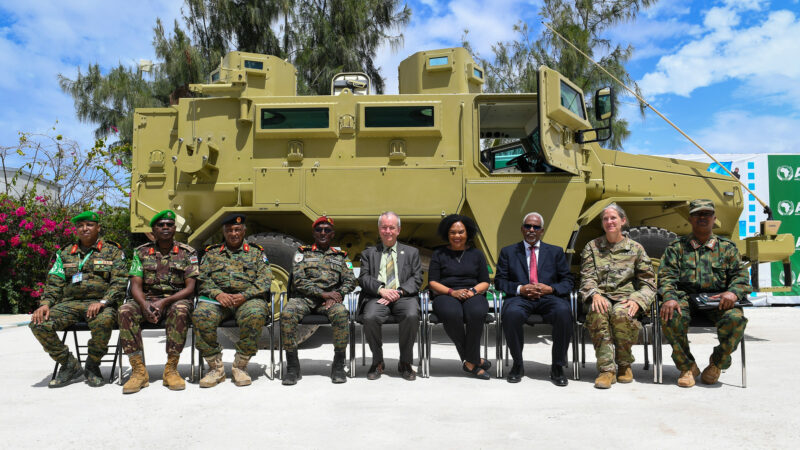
point(25, 182)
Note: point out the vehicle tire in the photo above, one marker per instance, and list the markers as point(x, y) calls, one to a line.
point(653, 239)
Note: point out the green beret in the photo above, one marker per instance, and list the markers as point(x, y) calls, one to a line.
point(165, 214)
point(87, 216)
point(701, 205)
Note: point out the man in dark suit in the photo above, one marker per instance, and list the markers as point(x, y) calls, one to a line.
point(538, 288)
point(390, 278)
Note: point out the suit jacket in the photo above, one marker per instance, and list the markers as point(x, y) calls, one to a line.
point(551, 265)
point(409, 271)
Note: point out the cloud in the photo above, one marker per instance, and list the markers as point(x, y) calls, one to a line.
point(736, 131)
point(445, 28)
point(727, 51)
point(40, 39)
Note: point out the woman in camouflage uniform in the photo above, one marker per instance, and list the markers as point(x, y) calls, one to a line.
point(617, 286)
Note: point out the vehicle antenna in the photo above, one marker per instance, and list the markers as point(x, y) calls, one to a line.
point(767, 209)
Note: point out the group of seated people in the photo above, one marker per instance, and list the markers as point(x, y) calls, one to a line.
point(617, 286)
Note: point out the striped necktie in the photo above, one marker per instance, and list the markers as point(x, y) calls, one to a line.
point(391, 279)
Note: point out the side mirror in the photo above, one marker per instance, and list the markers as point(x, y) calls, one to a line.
point(603, 105)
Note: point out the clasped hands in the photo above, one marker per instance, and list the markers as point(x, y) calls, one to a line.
point(535, 291)
point(329, 298)
point(230, 300)
point(389, 296)
point(601, 305)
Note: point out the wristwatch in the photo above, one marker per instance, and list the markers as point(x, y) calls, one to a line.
point(473, 290)
point(103, 302)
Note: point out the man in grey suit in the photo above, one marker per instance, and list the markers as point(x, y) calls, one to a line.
point(390, 278)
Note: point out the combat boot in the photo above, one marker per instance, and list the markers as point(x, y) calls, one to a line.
point(68, 372)
point(239, 370)
point(624, 374)
point(92, 374)
point(605, 380)
point(139, 377)
point(172, 378)
point(337, 368)
point(710, 373)
point(687, 377)
point(216, 372)
point(292, 369)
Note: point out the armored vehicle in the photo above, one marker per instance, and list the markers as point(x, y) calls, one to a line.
point(247, 143)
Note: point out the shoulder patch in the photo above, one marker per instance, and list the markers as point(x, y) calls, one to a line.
point(188, 248)
point(116, 244)
point(257, 246)
point(298, 257)
point(209, 247)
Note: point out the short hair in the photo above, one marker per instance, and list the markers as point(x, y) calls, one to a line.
point(447, 222)
point(534, 214)
point(616, 208)
point(389, 214)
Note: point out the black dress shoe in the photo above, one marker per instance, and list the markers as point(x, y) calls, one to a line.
point(476, 371)
point(516, 373)
point(557, 375)
point(406, 371)
point(375, 370)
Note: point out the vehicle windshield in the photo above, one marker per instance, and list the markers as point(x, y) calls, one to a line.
point(509, 137)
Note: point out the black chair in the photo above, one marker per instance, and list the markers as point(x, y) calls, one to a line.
point(356, 318)
point(310, 319)
point(701, 321)
point(429, 319)
point(82, 351)
point(231, 323)
point(579, 334)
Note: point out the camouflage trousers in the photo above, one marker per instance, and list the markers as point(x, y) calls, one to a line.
point(297, 308)
point(613, 334)
point(250, 317)
point(730, 329)
point(176, 321)
point(64, 314)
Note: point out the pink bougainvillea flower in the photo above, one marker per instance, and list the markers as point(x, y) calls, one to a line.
point(25, 289)
point(3, 228)
point(20, 211)
point(3, 217)
point(29, 226)
point(3, 253)
point(2, 243)
point(36, 294)
point(115, 129)
point(118, 162)
point(14, 241)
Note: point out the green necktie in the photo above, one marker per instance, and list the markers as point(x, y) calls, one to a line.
point(391, 280)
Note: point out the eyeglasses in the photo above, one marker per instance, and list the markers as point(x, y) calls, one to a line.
point(324, 230)
point(165, 224)
point(702, 214)
point(529, 226)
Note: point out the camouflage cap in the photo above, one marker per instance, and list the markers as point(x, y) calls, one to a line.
point(701, 204)
point(165, 214)
point(322, 219)
point(86, 216)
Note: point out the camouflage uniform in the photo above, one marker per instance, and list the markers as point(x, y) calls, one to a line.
point(689, 267)
point(162, 276)
point(243, 271)
point(102, 278)
point(314, 272)
point(618, 272)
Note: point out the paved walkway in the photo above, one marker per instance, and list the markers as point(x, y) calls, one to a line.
point(448, 410)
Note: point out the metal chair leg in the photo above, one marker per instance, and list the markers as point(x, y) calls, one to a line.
point(646, 356)
point(744, 364)
point(77, 347)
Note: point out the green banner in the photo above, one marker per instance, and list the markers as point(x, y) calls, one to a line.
point(784, 199)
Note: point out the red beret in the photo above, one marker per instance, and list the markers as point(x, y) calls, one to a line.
point(322, 219)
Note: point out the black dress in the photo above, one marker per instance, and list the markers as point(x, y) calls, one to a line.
point(463, 321)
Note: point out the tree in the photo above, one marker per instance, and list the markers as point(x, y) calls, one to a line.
point(582, 22)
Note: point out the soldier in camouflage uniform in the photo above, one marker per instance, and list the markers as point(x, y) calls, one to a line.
point(234, 281)
point(618, 286)
point(86, 283)
point(162, 278)
point(702, 262)
point(322, 277)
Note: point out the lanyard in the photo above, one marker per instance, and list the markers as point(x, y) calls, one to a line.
point(80, 266)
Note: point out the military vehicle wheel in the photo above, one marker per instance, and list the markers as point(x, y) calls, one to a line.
point(280, 249)
point(653, 239)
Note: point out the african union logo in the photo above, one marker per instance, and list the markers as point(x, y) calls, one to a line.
point(787, 173)
point(786, 207)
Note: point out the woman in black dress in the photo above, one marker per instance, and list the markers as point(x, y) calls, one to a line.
point(458, 277)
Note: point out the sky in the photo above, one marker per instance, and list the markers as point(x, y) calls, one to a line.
point(726, 71)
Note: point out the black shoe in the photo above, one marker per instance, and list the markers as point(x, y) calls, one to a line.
point(292, 369)
point(68, 373)
point(92, 374)
point(557, 375)
point(486, 364)
point(406, 371)
point(338, 375)
point(375, 370)
point(477, 372)
point(516, 373)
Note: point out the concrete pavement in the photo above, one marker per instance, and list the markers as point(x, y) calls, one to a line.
point(448, 410)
